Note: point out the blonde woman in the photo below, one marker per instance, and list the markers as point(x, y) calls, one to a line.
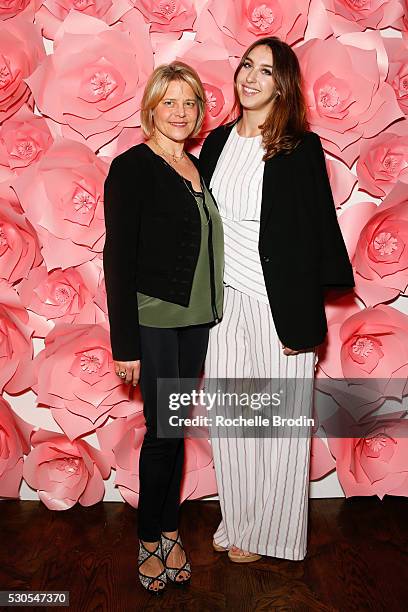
point(163, 260)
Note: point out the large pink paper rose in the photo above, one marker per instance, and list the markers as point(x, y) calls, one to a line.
point(19, 246)
point(362, 367)
point(21, 51)
point(363, 344)
point(65, 472)
point(14, 444)
point(62, 197)
point(384, 160)
point(76, 379)
point(93, 82)
point(167, 15)
point(66, 296)
point(357, 15)
point(377, 244)
point(332, 389)
point(216, 73)
point(236, 24)
point(397, 51)
point(11, 8)
point(375, 464)
point(374, 344)
point(16, 349)
point(350, 100)
point(24, 138)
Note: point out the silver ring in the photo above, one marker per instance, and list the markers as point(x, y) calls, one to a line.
point(122, 374)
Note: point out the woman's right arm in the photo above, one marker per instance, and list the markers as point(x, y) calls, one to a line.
point(122, 222)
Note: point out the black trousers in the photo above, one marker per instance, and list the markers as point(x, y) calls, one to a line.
point(165, 353)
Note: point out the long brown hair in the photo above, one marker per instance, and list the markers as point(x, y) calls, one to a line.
point(283, 128)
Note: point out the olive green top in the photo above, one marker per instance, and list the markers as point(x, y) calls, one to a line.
point(154, 312)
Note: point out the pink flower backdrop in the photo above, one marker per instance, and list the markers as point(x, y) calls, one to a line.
point(72, 75)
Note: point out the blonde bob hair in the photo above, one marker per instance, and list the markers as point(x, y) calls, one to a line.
point(156, 88)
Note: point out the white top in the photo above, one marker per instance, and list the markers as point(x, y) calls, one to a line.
point(237, 187)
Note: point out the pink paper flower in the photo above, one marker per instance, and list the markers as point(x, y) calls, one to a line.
point(14, 444)
point(376, 464)
point(21, 51)
point(76, 378)
point(358, 397)
point(93, 82)
point(16, 349)
point(19, 246)
point(348, 15)
point(369, 344)
point(167, 15)
point(215, 70)
point(371, 287)
point(359, 367)
point(241, 22)
point(11, 8)
point(374, 343)
point(377, 242)
point(348, 101)
point(62, 197)
point(65, 472)
point(397, 51)
point(24, 139)
point(384, 160)
point(63, 295)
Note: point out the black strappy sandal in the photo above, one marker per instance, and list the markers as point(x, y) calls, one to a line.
point(147, 581)
point(172, 572)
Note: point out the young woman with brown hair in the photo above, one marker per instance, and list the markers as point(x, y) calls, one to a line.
point(283, 246)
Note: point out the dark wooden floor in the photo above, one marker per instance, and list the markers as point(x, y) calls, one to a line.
point(357, 559)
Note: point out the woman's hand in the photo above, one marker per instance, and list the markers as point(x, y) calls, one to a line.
point(128, 371)
point(288, 351)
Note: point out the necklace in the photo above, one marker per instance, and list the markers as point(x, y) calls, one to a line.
point(172, 155)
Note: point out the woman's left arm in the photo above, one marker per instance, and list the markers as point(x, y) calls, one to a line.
point(335, 267)
point(122, 222)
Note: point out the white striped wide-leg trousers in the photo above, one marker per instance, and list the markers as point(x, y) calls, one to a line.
point(263, 482)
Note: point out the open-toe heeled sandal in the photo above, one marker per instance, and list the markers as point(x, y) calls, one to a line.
point(172, 572)
point(147, 581)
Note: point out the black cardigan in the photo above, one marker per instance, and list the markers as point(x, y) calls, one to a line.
point(301, 247)
point(152, 243)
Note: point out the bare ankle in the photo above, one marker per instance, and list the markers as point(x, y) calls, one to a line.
point(150, 546)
